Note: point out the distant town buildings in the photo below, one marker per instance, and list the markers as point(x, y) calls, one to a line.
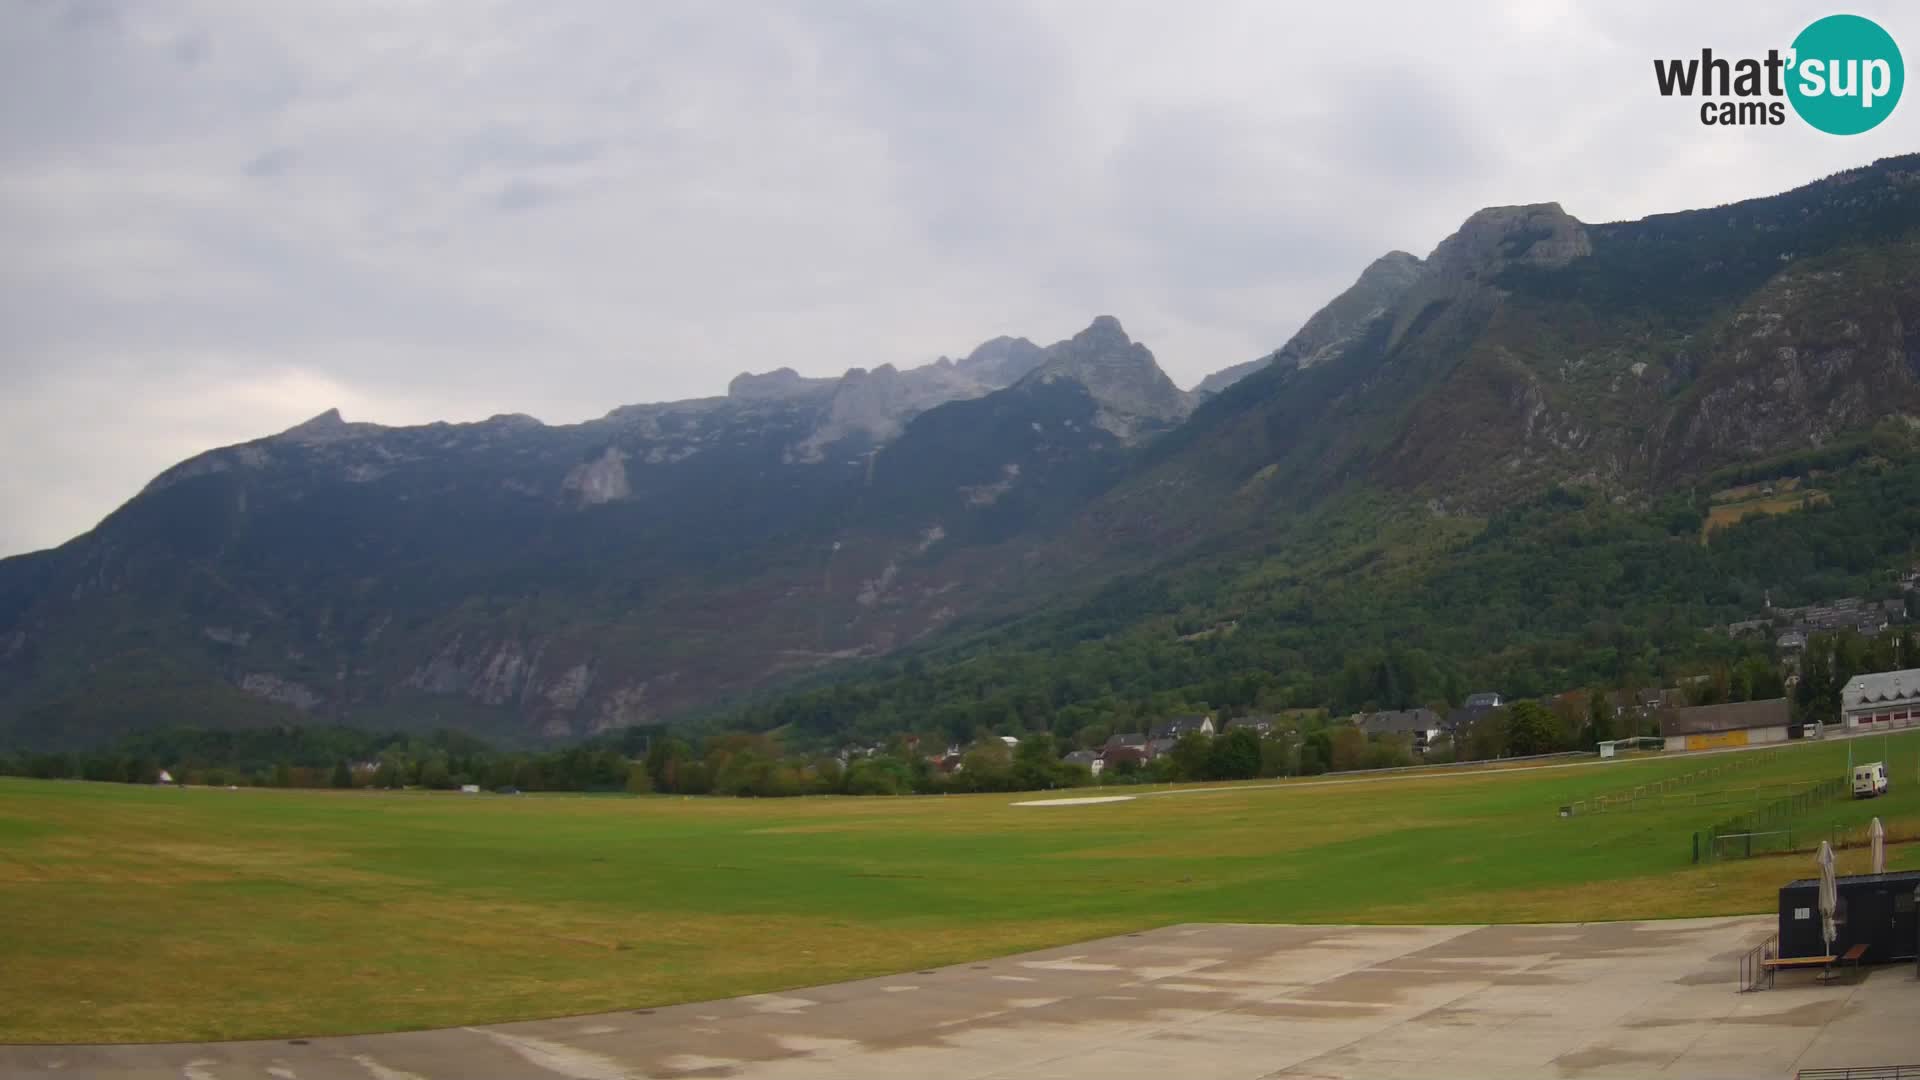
point(1790, 627)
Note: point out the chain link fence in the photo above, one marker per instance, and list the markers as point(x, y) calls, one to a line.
point(1769, 827)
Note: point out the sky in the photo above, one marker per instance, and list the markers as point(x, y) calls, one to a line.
point(222, 217)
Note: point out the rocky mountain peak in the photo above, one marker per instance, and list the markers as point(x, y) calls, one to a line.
point(1120, 373)
point(325, 428)
point(1395, 268)
point(775, 385)
point(1001, 361)
point(1540, 234)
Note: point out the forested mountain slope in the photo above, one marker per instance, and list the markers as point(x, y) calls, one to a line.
point(540, 582)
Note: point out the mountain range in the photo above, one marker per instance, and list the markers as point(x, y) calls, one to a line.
point(539, 582)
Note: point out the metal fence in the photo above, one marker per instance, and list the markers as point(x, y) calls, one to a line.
point(1755, 974)
point(1771, 824)
point(1641, 795)
point(1862, 1072)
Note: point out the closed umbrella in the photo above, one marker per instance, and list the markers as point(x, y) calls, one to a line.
point(1829, 894)
point(1878, 834)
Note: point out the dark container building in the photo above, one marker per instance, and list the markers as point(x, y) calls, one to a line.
point(1876, 910)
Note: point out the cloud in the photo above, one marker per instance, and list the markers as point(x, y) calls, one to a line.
point(222, 217)
point(275, 162)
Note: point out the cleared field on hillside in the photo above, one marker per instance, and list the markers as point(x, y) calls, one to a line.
point(1734, 505)
point(153, 914)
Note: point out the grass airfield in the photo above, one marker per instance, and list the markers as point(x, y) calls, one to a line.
point(145, 914)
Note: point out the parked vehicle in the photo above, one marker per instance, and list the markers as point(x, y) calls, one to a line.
point(1870, 780)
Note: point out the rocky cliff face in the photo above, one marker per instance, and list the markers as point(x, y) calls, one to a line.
point(875, 406)
point(1336, 327)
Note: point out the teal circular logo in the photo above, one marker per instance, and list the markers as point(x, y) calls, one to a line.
point(1846, 74)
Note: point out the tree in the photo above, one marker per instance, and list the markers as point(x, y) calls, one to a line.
point(986, 766)
point(1486, 736)
point(638, 780)
point(1599, 719)
point(1035, 764)
point(877, 776)
point(392, 772)
point(1389, 752)
point(434, 773)
point(1531, 729)
point(1273, 757)
point(342, 774)
point(1234, 756)
point(1316, 753)
point(1349, 749)
point(664, 761)
point(1190, 755)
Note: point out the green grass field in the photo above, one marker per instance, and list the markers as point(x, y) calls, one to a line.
point(143, 914)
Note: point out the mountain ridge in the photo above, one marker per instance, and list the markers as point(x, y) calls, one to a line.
point(549, 582)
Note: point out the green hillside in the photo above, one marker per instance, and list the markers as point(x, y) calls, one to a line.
point(1371, 602)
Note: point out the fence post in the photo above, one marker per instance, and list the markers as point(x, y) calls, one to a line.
point(1696, 847)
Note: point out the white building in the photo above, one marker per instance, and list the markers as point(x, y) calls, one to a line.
point(1887, 701)
point(1089, 758)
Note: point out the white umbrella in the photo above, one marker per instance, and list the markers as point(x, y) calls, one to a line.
point(1829, 894)
point(1878, 834)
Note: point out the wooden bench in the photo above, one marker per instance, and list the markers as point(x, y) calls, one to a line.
point(1824, 963)
point(1854, 956)
point(1800, 961)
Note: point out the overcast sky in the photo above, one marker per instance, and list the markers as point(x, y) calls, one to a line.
point(220, 217)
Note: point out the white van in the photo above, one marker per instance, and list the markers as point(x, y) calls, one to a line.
point(1870, 780)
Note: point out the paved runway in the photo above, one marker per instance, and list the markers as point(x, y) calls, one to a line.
point(1229, 1001)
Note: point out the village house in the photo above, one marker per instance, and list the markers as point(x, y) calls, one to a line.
point(1089, 758)
point(1471, 710)
point(1259, 725)
point(1422, 726)
point(1183, 725)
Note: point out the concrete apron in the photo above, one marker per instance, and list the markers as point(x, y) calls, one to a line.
point(1567, 1000)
